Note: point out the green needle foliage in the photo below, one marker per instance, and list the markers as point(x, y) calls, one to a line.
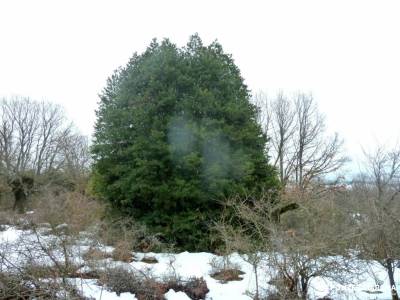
point(175, 136)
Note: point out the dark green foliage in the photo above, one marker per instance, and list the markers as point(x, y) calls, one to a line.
point(176, 135)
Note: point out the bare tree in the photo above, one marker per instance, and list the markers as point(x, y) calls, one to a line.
point(278, 120)
point(35, 138)
point(311, 241)
point(299, 146)
point(77, 159)
point(376, 196)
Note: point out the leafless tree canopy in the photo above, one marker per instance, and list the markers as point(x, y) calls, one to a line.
point(36, 138)
point(376, 198)
point(299, 146)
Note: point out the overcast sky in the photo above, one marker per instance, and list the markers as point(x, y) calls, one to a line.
point(347, 53)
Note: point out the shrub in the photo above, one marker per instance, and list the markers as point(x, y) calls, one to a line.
point(122, 252)
point(72, 208)
point(224, 270)
point(301, 244)
point(145, 287)
point(20, 287)
point(135, 235)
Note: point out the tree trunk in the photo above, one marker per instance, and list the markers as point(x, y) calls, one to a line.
point(20, 187)
point(257, 296)
point(304, 287)
point(390, 271)
point(19, 196)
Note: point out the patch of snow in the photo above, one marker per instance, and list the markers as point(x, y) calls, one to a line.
point(10, 235)
point(172, 295)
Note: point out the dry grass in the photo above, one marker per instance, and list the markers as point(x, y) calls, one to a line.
point(94, 254)
point(123, 252)
point(113, 232)
point(149, 260)
point(227, 275)
point(18, 287)
point(145, 287)
point(73, 208)
point(6, 218)
point(224, 270)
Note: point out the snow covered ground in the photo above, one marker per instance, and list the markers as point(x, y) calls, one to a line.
point(187, 265)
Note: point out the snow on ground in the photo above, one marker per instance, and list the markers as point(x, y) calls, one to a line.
point(172, 295)
point(10, 234)
point(90, 288)
point(188, 265)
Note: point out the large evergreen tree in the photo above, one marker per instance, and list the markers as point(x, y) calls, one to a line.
point(176, 135)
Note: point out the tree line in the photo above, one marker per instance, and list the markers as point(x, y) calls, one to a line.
point(38, 147)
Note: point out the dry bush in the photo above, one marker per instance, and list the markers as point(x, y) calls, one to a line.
point(41, 256)
point(120, 280)
point(146, 287)
point(37, 268)
point(20, 287)
point(149, 260)
point(9, 217)
point(95, 254)
point(298, 245)
point(123, 280)
point(125, 230)
point(50, 259)
point(72, 208)
point(227, 275)
point(123, 252)
point(224, 270)
point(6, 196)
point(195, 288)
point(312, 241)
point(5, 218)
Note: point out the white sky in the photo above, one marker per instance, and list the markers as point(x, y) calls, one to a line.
point(346, 52)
